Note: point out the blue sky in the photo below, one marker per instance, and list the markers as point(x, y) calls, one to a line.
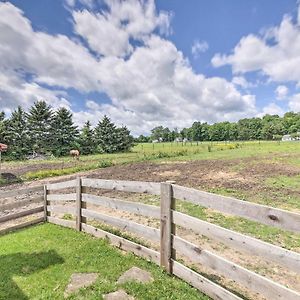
point(150, 63)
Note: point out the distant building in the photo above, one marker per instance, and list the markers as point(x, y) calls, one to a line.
point(179, 139)
point(157, 141)
point(287, 138)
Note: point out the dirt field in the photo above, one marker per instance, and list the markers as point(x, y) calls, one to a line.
point(257, 179)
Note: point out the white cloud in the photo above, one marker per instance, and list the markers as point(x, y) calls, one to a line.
point(87, 3)
point(70, 3)
point(16, 91)
point(53, 60)
point(153, 85)
point(109, 32)
point(276, 53)
point(294, 103)
point(241, 81)
point(199, 47)
point(281, 92)
point(271, 109)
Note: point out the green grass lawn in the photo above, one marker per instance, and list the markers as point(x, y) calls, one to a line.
point(37, 262)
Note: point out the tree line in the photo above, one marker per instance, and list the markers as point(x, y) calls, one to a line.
point(269, 127)
point(46, 131)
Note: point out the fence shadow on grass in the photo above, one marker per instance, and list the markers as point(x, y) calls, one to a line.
point(23, 264)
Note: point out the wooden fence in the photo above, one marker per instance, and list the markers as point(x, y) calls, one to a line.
point(170, 243)
point(79, 192)
point(21, 205)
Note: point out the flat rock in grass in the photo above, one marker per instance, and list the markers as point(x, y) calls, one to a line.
point(80, 280)
point(118, 295)
point(135, 274)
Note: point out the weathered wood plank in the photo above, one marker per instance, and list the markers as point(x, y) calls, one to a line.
point(45, 201)
point(22, 225)
point(249, 279)
point(133, 207)
point(21, 214)
point(122, 185)
point(78, 203)
point(256, 212)
point(22, 203)
point(123, 244)
point(133, 227)
point(61, 222)
point(62, 197)
point(61, 209)
point(22, 191)
point(203, 284)
point(61, 185)
point(254, 246)
point(166, 226)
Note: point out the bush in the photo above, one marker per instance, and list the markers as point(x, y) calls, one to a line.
point(105, 164)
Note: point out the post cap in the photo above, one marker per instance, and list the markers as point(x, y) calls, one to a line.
point(171, 181)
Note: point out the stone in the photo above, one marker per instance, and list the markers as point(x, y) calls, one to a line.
point(80, 280)
point(118, 295)
point(135, 274)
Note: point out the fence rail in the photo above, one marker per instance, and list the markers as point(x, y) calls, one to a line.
point(33, 195)
point(256, 212)
point(81, 200)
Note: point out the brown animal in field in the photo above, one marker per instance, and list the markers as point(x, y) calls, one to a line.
point(75, 154)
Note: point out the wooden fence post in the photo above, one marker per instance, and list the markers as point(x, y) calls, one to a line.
point(167, 228)
point(83, 204)
point(78, 203)
point(45, 203)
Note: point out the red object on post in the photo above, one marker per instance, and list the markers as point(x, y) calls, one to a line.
point(3, 147)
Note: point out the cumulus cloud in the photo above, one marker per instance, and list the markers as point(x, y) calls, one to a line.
point(271, 109)
point(276, 53)
point(242, 82)
point(16, 91)
point(199, 47)
point(281, 92)
point(149, 84)
point(294, 103)
point(123, 21)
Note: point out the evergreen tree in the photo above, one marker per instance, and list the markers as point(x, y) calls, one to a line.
point(3, 127)
point(39, 123)
point(124, 140)
point(18, 135)
point(106, 136)
point(111, 139)
point(63, 132)
point(86, 139)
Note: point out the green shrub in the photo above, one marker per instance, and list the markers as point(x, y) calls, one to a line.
point(105, 164)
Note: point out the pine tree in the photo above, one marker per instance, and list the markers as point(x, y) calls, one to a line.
point(18, 135)
point(63, 132)
point(124, 139)
point(105, 136)
point(39, 123)
point(3, 127)
point(86, 139)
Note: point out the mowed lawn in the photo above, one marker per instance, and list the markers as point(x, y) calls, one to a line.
point(37, 262)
